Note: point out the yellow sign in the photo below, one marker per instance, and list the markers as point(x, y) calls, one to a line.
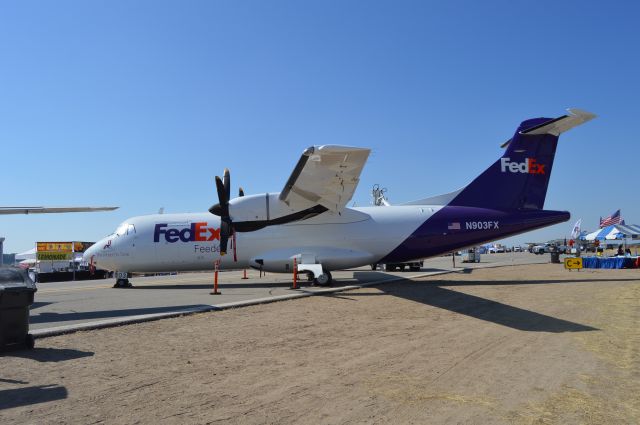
point(573, 263)
point(53, 256)
point(54, 247)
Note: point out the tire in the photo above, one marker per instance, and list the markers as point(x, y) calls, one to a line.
point(122, 283)
point(374, 266)
point(323, 280)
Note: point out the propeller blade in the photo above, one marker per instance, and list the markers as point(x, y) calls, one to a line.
point(225, 232)
point(240, 192)
point(227, 183)
point(223, 199)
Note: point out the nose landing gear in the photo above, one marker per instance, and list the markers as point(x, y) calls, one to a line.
point(122, 280)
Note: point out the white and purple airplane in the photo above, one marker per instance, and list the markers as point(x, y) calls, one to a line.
point(308, 220)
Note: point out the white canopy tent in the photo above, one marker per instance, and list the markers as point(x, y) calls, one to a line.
point(615, 232)
point(27, 255)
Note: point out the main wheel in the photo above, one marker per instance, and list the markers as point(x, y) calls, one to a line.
point(323, 280)
point(373, 266)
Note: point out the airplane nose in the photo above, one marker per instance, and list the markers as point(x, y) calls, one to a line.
point(89, 253)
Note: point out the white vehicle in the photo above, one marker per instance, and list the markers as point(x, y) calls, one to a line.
point(308, 221)
point(471, 255)
point(539, 249)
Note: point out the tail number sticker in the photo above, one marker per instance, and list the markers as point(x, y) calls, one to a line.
point(482, 225)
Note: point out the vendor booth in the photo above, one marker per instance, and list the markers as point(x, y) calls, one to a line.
point(616, 234)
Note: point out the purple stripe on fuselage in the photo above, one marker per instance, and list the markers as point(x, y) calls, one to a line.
point(440, 234)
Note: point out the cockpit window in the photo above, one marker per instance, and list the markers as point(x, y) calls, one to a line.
point(122, 229)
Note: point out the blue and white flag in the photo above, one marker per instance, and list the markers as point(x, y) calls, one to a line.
point(576, 229)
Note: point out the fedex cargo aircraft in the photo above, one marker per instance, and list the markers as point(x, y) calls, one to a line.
point(308, 220)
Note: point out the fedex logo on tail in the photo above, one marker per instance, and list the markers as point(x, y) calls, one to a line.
point(529, 166)
point(196, 232)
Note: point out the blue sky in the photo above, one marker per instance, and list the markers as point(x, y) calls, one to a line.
point(140, 104)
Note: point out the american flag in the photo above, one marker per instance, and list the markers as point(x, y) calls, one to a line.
point(614, 218)
point(454, 226)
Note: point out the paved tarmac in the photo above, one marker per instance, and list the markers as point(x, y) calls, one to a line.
point(67, 306)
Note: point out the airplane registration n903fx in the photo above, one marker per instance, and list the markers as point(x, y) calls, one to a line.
point(308, 221)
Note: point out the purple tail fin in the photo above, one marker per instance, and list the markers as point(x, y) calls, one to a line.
point(519, 179)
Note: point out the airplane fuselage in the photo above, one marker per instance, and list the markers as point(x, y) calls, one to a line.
point(356, 237)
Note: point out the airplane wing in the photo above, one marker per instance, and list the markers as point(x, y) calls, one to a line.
point(48, 210)
point(325, 175)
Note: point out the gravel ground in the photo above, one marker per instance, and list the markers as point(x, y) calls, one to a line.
point(525, 344)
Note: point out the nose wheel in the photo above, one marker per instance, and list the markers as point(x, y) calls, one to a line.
point(122, 280)
point(122, 283)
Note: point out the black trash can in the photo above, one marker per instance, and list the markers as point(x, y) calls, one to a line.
point(16, 295)
point(555, 257)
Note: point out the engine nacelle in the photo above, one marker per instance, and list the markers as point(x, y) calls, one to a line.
point(253, 212)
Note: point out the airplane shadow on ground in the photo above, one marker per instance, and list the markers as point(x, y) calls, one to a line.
point(434, 294)
point(49, 317)
point(38, 304)
point(31, 395)
point(47, 355)
point(249, 284)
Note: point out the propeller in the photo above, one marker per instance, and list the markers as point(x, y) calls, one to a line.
point(223, 186)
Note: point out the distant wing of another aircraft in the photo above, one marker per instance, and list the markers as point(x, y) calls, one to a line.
point(50, 210)
point(327, 175)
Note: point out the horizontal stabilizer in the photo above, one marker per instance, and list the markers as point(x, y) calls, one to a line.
point(561, 124)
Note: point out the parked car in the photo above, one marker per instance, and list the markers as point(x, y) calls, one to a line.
point(539, 249)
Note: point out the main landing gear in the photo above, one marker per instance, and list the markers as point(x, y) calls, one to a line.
point(323, 279)
point(316, 274)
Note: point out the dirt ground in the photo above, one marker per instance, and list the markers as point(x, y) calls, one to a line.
point(526, 345)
